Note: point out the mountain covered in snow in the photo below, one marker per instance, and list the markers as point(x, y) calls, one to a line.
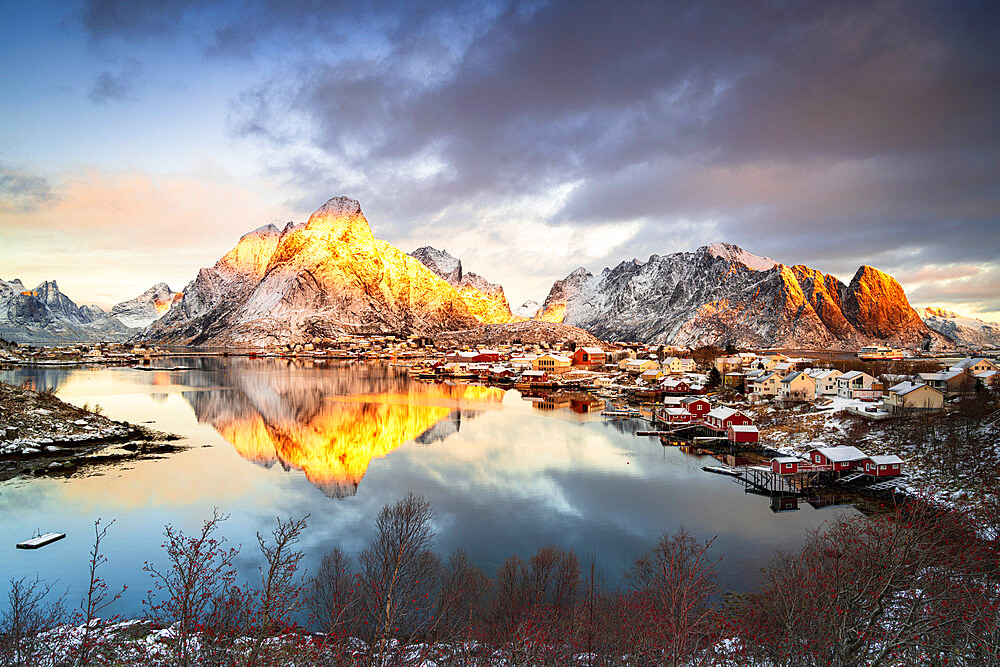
point(316, 279)
point(968, 332)
point(486, 300)
point(528, 309)
point(146, 308)
point(46, 315)
point(723, 294)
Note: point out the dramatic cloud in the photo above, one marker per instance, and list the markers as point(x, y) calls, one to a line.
point(831, 134)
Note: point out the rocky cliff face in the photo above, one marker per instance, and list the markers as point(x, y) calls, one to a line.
point(970, 332)
point(485, 300)
point(723, 294)
point(322, 278)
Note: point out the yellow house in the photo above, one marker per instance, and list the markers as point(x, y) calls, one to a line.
point(913, 396)
point(552, 363)
point(639, 366)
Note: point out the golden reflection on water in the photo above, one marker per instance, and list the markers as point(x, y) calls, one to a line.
point(332, 438)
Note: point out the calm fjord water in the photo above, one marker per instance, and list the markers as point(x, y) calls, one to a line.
point(338, 441)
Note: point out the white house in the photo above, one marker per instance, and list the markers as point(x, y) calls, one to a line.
point(855, 384)
point(826, 380)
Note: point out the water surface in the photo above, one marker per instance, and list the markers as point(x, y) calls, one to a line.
point(286, 438)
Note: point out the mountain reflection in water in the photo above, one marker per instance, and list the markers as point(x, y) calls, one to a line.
point(330, 426)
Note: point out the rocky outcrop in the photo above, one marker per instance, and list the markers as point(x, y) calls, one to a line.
point(723, 294)
point(486, 300)
point(967, 332)
point(553, 309)
point(318, 279)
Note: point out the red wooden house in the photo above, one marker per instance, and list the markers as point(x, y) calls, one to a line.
point(882, 466)
point(838, 458)
point(589, 356)
point(785, 465)
point(742, 433)
point(698, 407)
point(675, 416)
point(676, 386)
point(720, 419)
point(534, 376)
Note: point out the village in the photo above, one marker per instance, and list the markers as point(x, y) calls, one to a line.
point(769, 417)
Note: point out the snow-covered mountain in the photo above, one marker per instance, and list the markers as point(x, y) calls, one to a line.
point(44, 315)
point(723, 294)
point(47, 316)
point(486, 300)
point(146, 308)
point(528, 309)
point(318, 279)
point(969, 332)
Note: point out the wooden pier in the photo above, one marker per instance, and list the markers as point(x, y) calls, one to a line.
point(41, 541)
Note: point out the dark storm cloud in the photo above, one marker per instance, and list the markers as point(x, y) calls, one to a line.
point(134, 19)
point(837, 133)
point(22, 191)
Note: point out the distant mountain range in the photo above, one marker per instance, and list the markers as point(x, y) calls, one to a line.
point(723, 294)
point(965, 331)
point(330, 275)
point(46, 315)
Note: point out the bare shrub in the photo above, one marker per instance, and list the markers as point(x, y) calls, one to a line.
point(194, 592)
point(399, 573)
point(29, 612)
point(674, 587)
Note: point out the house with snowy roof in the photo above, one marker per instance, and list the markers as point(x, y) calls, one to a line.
point(856, 384)
point(797, 385)
point(913, 396)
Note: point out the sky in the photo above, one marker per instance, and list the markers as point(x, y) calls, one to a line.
point(140, 139)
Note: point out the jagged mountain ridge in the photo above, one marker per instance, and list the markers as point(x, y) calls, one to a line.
point(322, 278)
point(486, 301)
point(722, 294)
point(45, 315)
point(970, 332)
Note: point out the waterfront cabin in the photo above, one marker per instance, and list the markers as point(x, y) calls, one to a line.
point(839, 459)
point(882, 466)
point(535, 377)
point(552, 363)
point(589, 356)
point(676, 416)
point(698, 407)
point(501, 372)
point(743, 434)
point(785, 465)
point(720, 419)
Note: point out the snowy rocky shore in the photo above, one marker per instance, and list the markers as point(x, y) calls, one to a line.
point(40, 434)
